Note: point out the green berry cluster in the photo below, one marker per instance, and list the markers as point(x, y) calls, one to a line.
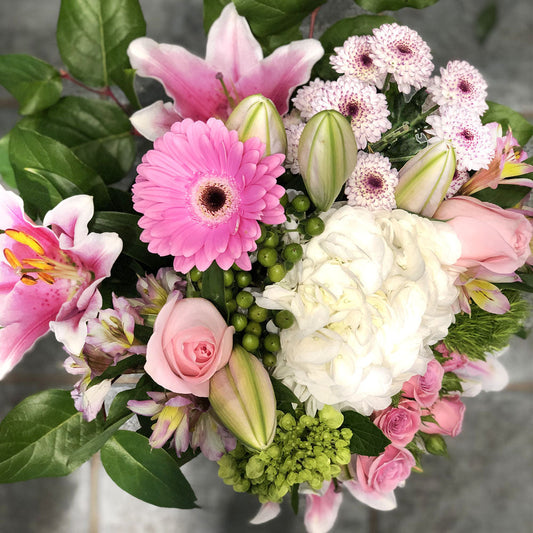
point(306, 449)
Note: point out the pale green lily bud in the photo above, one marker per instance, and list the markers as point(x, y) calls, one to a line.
point(327, 154)
point(257, 116)
point(242, 396)
point(424, 180)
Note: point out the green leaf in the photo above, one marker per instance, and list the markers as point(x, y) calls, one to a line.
point(213, 287)
point(148, 474)
point(131, 362)
point(125, 80)
point(295, 498)
point(505, 196)
point(212, 10)
point(376, 6)
point(336, 34)
point(367, 438)
point(284, 396)
point(39, 436)
point(507, 117)
point(275, 40)
point(34, 83)
point(450, 382)
point(268, 17)
point(486, 21)
point(93, 35)
point(6, 170)
point(41, 163)
point(98, 133)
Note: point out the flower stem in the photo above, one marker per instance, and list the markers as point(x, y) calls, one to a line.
point(312, 22)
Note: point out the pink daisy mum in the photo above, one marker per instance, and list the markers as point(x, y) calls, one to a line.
point(294, 132)
point(400, 51)
point(353, 59)
point(460, 84)
point(366, 108)
point(372, 183)
point(460, 177)
point(202, 193)
point(473, 142)
point(306, 97)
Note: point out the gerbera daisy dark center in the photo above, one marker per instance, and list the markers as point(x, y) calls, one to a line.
point(213, 198)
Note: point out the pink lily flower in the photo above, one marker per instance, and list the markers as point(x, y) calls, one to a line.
point(233, 69)
point(49, 277)
point(321, 510)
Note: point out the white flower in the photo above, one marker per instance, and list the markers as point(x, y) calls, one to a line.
point(370, 296)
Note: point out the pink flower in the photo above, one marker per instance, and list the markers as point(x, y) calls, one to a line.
point(452, 360)
point(448, 413)
point(191, 341)
point(425, 389)
point(202, 193)
point(492, 238)
point(477, 376)
point(49, 276)
point(321, 510)
point(377, 477)
point(399, 424)
point(233, 63)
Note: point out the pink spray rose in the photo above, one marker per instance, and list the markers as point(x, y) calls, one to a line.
point(377, 477)
point(448, 413)
point(425, 389)
point(191, 341)
point(452, 360)
point(399, 424)
point(492, 238)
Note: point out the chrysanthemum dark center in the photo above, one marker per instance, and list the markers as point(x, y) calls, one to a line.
point(366, 60)
point(374, 180)
point(213, 198)
point(467, 135)
point(352, 109)
point(403, 49)
point(464, 86)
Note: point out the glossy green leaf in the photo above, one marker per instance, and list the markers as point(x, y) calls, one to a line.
point(376, 6)
point(148, 474)
point(93, 36)
point(213, 287)
point(6, 170)
point(125, 80)
point(336, 34)
point(39, 436)
point(38, 160)
point(505, 196)
point(212, 10)
point(98, 133)
point(367, 438)
point(34, 83)
point(507, 117)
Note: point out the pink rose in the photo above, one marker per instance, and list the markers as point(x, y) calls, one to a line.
point(191, 341)
point(399, 424)
point(425, 389)
point(491, 237)
point(448, 413)
point(452, 360)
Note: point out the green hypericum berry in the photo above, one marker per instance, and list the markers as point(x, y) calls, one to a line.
point(244, 299)
point(231, 306)
point(229, 277)
point(254, 328)
point(257, 314)
point(276, 272)
point(267, 257)
point(271, 240)
point(271, 343)
point(239, 321)
point(243, 279)
point(262, 237)
point(269, 360)
point(250, 342)
point(284, 319)
point(314, 226)
point(301, 203)
point(293, 252)
point(284, 200)
point(228, 295)
point(195, 274)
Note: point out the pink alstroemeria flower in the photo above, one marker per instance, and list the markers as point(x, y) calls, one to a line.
point(233, 68)
point(49, 276)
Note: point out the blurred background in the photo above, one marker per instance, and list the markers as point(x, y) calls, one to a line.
point(486, 484)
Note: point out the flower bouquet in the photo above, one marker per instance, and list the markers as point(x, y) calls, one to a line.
point(322, 252)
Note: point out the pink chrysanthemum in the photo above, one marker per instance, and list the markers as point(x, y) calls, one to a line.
point(202, 193)
point(460, 177)
point(372, 183)
point(473, 142)
point(460, 84)
point(294, 132)
point(307, 96)
point(366, 108)
point(353, 59)
point(401, 52)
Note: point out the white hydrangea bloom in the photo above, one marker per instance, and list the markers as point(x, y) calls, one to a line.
point(370, 296)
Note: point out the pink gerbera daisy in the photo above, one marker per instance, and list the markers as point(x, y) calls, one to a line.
point(202, 193)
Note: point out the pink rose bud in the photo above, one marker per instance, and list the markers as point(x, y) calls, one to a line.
point(425, 389)
point(191, 341)
point(493, 238)
point(399, 424)
point(448, 413)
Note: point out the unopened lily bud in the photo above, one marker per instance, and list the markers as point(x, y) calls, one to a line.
point(424, 180)
point(242, 396)
point(257, 116)
point(327, 154)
